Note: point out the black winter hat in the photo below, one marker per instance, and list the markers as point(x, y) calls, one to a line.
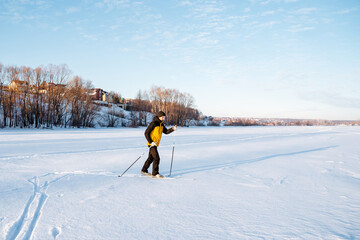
point(161, 114)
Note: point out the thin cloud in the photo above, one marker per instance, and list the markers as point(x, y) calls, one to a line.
point(186, 3)
point(141, 37)
point(42, 4)
point(268, 24)
point(113, 27)
point(71, 10)
point(265, 2)
point(346, 11)
point(305, 11)
point(300, 28)
point(239, 18)
point(92, 37)
point(268, 13)
point(112, 4)
point(14, 11)
point(332, 99)
point(56, 28)
point(292, 78)
point(207, 9)
point(204, 9)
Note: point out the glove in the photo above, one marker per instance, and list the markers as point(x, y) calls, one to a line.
point(174, 127)
point(153, 144)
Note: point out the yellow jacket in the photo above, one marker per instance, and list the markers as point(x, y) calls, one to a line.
point(154, 131)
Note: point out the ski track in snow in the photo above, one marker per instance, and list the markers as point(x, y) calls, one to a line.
point(86, 151)
point(235, 163)
point(25, 226)
point(29, 156)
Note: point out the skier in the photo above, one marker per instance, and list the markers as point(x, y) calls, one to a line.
point(153, 136)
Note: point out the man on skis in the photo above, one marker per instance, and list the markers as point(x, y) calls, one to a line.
point(153, 135)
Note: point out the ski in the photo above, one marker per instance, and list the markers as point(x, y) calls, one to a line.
point(146, 174)
point(149, 175)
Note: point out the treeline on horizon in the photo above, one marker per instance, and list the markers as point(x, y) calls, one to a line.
point(245, 122)
point(51, 96)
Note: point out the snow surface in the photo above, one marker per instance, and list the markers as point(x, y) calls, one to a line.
point(229, 183)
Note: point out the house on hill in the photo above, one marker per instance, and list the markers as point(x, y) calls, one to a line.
point(45, 87)
point(21, 86)
point(97, 94)
point(105, 98)
point(17, 85)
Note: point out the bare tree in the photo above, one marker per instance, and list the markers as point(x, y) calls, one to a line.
point(38, 105)
point(2, 93)
point(142, 106)
point(82, 109)
point(116, 97)
point(55, 93)
point(177, 106)
point(24, 94)
point(14, 88)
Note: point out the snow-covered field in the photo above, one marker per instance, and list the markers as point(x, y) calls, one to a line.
point(228, 183)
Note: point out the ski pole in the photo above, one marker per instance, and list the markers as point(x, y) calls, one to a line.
point(133, 163)
point(172, 156)
point(172, 159)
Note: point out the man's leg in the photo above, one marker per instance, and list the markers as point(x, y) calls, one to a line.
point(156, 160)
point(147, 163)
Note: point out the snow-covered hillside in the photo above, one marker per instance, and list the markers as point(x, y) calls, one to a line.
point(228, 183)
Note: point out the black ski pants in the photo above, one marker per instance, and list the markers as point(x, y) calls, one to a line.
point(153, 158)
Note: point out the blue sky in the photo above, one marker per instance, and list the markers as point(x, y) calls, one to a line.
point(244, 58)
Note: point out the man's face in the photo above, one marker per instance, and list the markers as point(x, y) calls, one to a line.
point(162, 118)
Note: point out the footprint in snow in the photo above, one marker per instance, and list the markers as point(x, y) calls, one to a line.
point(55, 232)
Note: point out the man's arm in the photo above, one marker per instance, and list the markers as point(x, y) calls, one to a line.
point(167, 131)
